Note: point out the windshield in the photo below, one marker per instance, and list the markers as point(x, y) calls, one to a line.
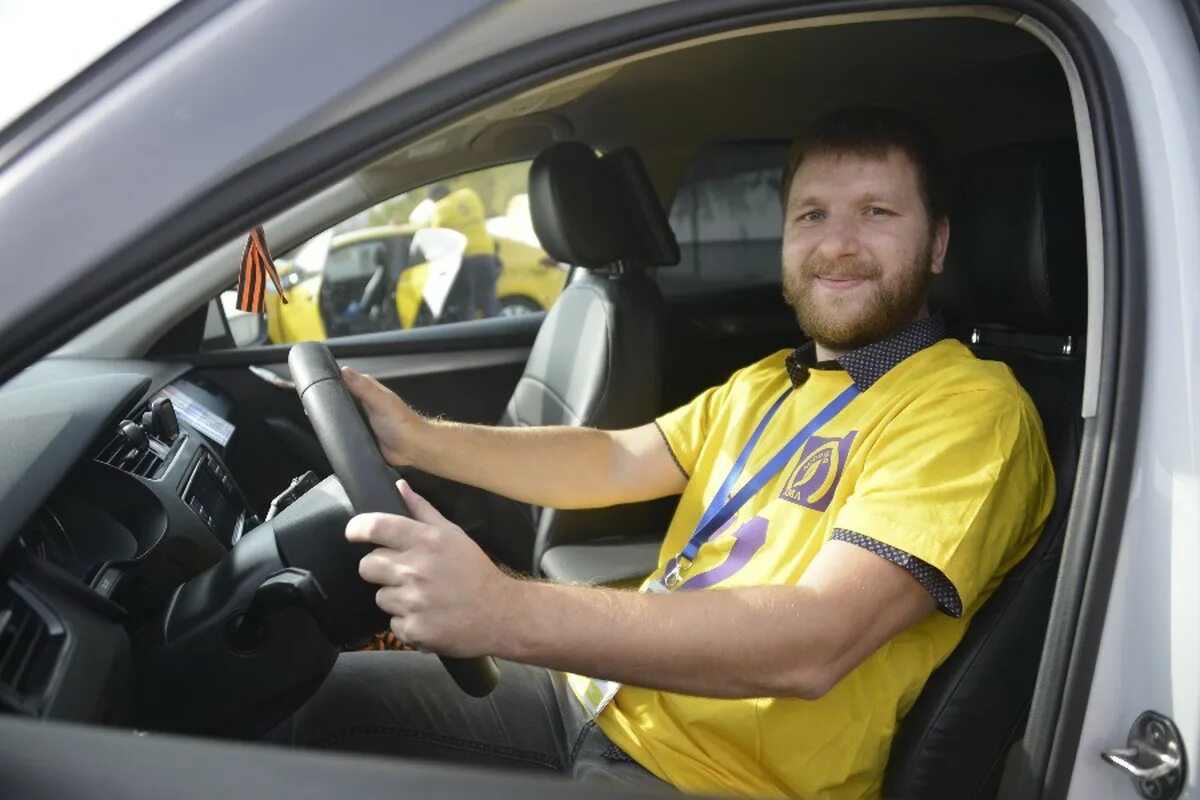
point(42, 46)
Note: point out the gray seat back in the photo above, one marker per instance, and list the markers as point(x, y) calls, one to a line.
point(597, 360)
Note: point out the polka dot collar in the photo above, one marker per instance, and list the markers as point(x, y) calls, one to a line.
point(871, 362)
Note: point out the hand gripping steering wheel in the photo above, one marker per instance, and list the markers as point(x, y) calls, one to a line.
point(367, 479)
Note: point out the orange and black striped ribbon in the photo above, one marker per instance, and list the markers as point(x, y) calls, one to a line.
point(257, 266)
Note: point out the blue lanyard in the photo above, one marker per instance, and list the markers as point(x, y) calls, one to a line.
point(724, 504)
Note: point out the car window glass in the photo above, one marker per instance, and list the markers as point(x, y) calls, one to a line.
point(459, 250)
point(728, 219)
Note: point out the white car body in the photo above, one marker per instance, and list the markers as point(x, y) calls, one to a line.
point(1138, 647)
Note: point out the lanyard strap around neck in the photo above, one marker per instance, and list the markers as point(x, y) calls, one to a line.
point(726, 503)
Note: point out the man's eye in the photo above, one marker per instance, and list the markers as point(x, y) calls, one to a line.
point(876, 211)
point(810, 216)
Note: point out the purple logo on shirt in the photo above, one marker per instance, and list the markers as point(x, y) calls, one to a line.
point(816, 476)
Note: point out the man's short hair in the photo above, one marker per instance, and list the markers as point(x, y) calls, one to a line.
point(874, 132)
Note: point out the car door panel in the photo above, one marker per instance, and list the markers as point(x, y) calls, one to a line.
point(481, 334)
point(60, 760)
point(465, 372)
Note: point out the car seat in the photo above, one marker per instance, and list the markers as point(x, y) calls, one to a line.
point(597, 358)
point(1015, 291)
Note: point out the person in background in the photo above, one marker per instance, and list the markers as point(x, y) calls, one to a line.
point(474, 292)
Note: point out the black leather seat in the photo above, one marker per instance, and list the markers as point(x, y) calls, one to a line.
point(597, 359)
point(1015, 288)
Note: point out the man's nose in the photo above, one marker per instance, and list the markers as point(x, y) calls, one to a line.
point(839, 238)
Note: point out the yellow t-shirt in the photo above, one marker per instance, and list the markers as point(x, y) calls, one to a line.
point(463, 211)
point(943, 458)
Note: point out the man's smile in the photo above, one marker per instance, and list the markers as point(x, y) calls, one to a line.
point(840, 281)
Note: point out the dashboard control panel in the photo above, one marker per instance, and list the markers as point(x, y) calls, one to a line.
point(209, 490)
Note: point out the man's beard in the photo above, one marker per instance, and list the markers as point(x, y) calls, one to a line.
point(885, 311)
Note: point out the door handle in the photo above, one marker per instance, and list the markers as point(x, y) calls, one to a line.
point(278, 381)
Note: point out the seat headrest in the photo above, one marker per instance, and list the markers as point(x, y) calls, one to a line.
point(598, 211)
point(1017, 254)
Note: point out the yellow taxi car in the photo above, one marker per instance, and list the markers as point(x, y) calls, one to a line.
point(372, 280)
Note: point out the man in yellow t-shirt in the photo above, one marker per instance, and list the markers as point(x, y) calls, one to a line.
point(845, 509)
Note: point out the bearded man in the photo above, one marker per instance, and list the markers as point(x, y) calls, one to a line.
point(846, 507)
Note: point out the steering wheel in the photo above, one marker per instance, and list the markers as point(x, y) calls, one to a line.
point(367, 479)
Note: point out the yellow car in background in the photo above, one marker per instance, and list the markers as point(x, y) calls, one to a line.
point(372, 280)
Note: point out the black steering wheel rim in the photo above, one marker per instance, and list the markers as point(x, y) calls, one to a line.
point(365, 476)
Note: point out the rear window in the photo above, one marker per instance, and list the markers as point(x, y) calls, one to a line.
point(728, 220)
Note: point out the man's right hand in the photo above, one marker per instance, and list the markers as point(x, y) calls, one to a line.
point(397, 427)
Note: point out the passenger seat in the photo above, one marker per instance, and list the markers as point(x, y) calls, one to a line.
point(597, 359)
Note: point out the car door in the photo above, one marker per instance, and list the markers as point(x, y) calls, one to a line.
point(1134, 696)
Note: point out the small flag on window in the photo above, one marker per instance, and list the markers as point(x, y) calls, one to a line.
point(256, 267)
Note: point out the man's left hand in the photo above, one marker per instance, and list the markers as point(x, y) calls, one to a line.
point(443, 594)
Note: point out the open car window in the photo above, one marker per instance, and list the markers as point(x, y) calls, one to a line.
point(459, 250)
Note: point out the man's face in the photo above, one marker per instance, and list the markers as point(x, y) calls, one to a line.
point(858, 247)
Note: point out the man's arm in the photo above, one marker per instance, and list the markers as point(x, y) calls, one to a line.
point(560, 467)
point(762, 641)
point(769, 641)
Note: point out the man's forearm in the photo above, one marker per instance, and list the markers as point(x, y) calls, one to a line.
point(750, 642)
point(560, 467)
point(444, 594)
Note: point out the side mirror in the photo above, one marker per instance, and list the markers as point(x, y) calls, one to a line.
point(248, 328)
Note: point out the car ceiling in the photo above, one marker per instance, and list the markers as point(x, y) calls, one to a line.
point(979, 82)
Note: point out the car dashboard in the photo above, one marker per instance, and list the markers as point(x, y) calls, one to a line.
point(109, 501)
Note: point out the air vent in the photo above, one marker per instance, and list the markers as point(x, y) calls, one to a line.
point(124, 454)
point(138, 452)
point(30, 643)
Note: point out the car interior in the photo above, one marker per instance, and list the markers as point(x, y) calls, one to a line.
point(174, 570)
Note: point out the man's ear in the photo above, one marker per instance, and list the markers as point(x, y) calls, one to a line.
point(941, 240)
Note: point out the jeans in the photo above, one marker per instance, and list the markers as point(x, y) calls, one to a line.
point(404, 703)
